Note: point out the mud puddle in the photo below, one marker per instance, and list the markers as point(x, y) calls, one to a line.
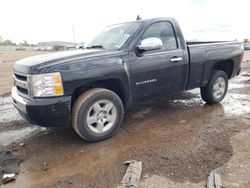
point(181, 148)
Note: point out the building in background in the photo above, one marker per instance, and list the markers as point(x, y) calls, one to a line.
point(58, 46)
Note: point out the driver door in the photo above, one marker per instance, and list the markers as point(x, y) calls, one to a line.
point(159, 72)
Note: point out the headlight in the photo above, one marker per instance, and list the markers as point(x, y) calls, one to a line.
point(47, 85)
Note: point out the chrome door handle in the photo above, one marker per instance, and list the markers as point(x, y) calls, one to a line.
point(176, 59)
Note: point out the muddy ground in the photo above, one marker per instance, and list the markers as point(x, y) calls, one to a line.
point(179, 139)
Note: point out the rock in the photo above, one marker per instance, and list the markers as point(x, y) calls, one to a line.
point(21, 144)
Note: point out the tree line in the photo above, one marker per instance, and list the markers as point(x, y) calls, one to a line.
point(7, 42)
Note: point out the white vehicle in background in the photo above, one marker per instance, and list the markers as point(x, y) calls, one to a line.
point(49, 48)
point(37, 49)
point(44, 48)
point(70, 48)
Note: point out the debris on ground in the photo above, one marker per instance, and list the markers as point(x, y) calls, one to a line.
point(8, 178)
point(145, 176)
point(45, 166)
point(214, 180)
point(9, 166)
point(133, 173)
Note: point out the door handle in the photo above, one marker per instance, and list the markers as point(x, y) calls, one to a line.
point(176, 59)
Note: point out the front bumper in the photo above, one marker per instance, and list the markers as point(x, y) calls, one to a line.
point(46, 112)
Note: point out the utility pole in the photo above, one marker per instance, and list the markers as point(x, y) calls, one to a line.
point(74, 36)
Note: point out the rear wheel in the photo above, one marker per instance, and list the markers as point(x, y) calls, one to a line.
point(97, 114)
point(216, 89)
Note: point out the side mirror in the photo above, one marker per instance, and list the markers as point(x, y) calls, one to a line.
point(148, 44)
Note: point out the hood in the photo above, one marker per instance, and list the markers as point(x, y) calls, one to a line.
point(28, 64)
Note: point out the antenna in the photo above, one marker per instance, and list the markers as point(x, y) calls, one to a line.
point(138, 18)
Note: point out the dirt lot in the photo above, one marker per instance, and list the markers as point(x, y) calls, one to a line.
point(7, 59)
point(179, 140)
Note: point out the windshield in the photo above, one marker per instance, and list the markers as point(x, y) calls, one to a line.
point(113, 37)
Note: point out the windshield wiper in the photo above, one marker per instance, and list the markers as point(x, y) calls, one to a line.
point(95, 46)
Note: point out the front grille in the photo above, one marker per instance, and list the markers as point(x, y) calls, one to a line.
point(22, 90)
point(21, 77)
point(21, 83)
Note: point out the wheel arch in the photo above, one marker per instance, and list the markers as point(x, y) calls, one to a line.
point(113, 84)
point(226, 65)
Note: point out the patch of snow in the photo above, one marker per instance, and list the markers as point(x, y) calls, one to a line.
point(8, 137)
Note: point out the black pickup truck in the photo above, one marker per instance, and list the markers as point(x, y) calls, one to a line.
point(126, 64)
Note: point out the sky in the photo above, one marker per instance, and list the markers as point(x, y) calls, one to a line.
point(80, 21)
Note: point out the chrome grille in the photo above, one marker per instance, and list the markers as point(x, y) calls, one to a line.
point(21, 83)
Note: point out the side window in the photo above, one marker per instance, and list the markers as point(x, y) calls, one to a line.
point(163, 31)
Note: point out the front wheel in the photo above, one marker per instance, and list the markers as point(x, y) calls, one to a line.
point(216, 89)
point(97, 114)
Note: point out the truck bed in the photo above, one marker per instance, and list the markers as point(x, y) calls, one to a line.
point(204, 55)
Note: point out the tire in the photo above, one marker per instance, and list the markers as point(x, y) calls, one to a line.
point(216, 89)
point(97, 114)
